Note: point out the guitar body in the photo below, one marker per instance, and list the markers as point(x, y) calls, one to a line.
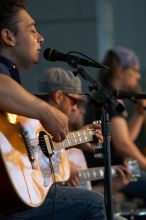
point(24, 183)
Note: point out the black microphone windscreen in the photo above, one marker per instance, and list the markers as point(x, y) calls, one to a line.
point(50, 54)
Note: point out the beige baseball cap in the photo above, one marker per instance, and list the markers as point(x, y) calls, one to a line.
point(60, 79)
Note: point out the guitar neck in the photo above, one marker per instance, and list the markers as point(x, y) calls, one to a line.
point(75, 138)
point(96, 173)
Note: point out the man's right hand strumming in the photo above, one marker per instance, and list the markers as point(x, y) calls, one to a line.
point(55, 122)
point(21, 102)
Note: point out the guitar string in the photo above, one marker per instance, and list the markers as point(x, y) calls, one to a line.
point(88, 134)
point(67, 143)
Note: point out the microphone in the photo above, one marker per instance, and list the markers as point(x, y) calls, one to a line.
point(129, 95)
point(54, 55)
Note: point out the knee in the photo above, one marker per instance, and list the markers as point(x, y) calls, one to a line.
point(96, 198)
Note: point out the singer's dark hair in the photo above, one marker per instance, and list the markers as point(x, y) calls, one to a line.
point(9, 10)
point(106, 76)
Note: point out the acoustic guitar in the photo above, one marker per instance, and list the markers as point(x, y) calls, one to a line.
point(30, 162)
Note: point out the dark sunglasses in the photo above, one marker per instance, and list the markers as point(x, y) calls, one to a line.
point(73, 100)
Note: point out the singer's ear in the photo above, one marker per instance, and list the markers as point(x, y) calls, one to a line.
point(8, 37)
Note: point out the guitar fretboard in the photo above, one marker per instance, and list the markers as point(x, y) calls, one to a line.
point(97, 173)
point(94, 173)
point(75, 138)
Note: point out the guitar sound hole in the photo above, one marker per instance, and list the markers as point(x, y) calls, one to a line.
point(43, 144)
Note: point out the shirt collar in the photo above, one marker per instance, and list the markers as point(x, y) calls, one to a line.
point(11, 67)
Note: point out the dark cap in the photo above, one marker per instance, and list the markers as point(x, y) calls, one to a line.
point(60, 79)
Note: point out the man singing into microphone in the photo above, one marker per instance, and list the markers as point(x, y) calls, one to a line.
point(20, 46)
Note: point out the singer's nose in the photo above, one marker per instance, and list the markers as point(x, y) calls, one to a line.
point(40, 38)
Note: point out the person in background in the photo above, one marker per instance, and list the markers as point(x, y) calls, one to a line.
point(61, 89)
point(124, 75)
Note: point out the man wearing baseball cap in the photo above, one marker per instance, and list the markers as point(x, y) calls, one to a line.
point(61, 89)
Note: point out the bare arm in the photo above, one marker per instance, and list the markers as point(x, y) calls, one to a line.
point(15, 99)
point(74, 179)
point(136, 120)
point(123, 142)
point(123, 177)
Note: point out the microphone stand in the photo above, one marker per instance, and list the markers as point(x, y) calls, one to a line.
point(106, 131)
